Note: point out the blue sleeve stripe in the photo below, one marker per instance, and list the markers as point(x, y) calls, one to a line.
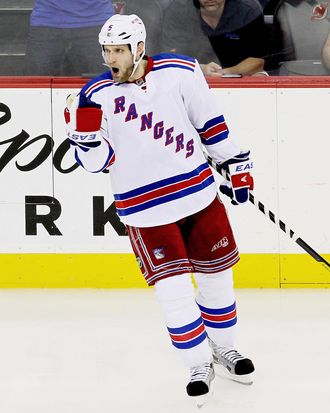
point(97, 88)
point(210, 123)
point(165, 66)
point(217, 138)
point(173, 56)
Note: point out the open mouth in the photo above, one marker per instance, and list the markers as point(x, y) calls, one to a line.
point(115, 70)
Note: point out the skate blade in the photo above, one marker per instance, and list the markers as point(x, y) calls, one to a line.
point(200, 401)
point(246, 379)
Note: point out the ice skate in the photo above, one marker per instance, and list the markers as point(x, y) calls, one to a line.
point(232, 364)
point(199, 386)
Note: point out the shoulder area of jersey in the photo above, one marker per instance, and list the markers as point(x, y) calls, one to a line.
point(104, 80)
point(165, 61)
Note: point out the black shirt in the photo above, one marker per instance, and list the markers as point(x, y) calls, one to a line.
point(240, 33)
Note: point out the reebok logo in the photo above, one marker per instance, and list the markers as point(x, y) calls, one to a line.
point(220, 244)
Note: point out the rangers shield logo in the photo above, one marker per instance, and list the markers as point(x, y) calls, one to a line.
point(159, 253)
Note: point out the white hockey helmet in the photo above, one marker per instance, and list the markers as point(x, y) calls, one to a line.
point(124, 29)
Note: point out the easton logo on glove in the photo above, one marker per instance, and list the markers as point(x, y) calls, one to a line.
point(241, 182)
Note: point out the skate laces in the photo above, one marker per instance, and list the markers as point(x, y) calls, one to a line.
point(201, 373)
point(231, 355)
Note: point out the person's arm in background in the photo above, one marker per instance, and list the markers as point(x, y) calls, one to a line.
point(211, 69)
point(249, 66)
point(326, 52)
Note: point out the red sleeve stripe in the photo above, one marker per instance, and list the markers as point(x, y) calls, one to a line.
point(214, 130)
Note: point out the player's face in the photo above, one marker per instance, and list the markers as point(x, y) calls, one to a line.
point(120, 61)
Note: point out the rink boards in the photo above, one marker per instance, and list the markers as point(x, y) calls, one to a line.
point(58, 226)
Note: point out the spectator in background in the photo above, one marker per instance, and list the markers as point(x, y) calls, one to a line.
point(151, 12)
point(305, 25)
point(63, 35)
point(326, 52)
point(270, 6)
point(226, 36)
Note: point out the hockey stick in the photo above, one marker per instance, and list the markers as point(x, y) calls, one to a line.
point(261, 207)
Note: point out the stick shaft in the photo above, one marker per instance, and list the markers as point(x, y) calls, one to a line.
point(281, 224)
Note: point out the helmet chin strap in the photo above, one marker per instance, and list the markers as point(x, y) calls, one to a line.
point(136, 62)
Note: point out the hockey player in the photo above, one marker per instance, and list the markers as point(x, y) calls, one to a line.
point(146, 119)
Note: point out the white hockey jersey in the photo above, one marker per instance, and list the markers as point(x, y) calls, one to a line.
point(153, 132)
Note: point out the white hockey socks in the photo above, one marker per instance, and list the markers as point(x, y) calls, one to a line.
point(216, 300)
point(176, 296)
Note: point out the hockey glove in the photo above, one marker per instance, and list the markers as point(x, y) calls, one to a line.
point(238, 170)
point(83, 118)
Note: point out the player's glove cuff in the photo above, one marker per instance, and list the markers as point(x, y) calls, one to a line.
point(82, 114)
point(226, 189)
point(84, 140)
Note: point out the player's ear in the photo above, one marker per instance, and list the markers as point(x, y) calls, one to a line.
point(140, 48)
